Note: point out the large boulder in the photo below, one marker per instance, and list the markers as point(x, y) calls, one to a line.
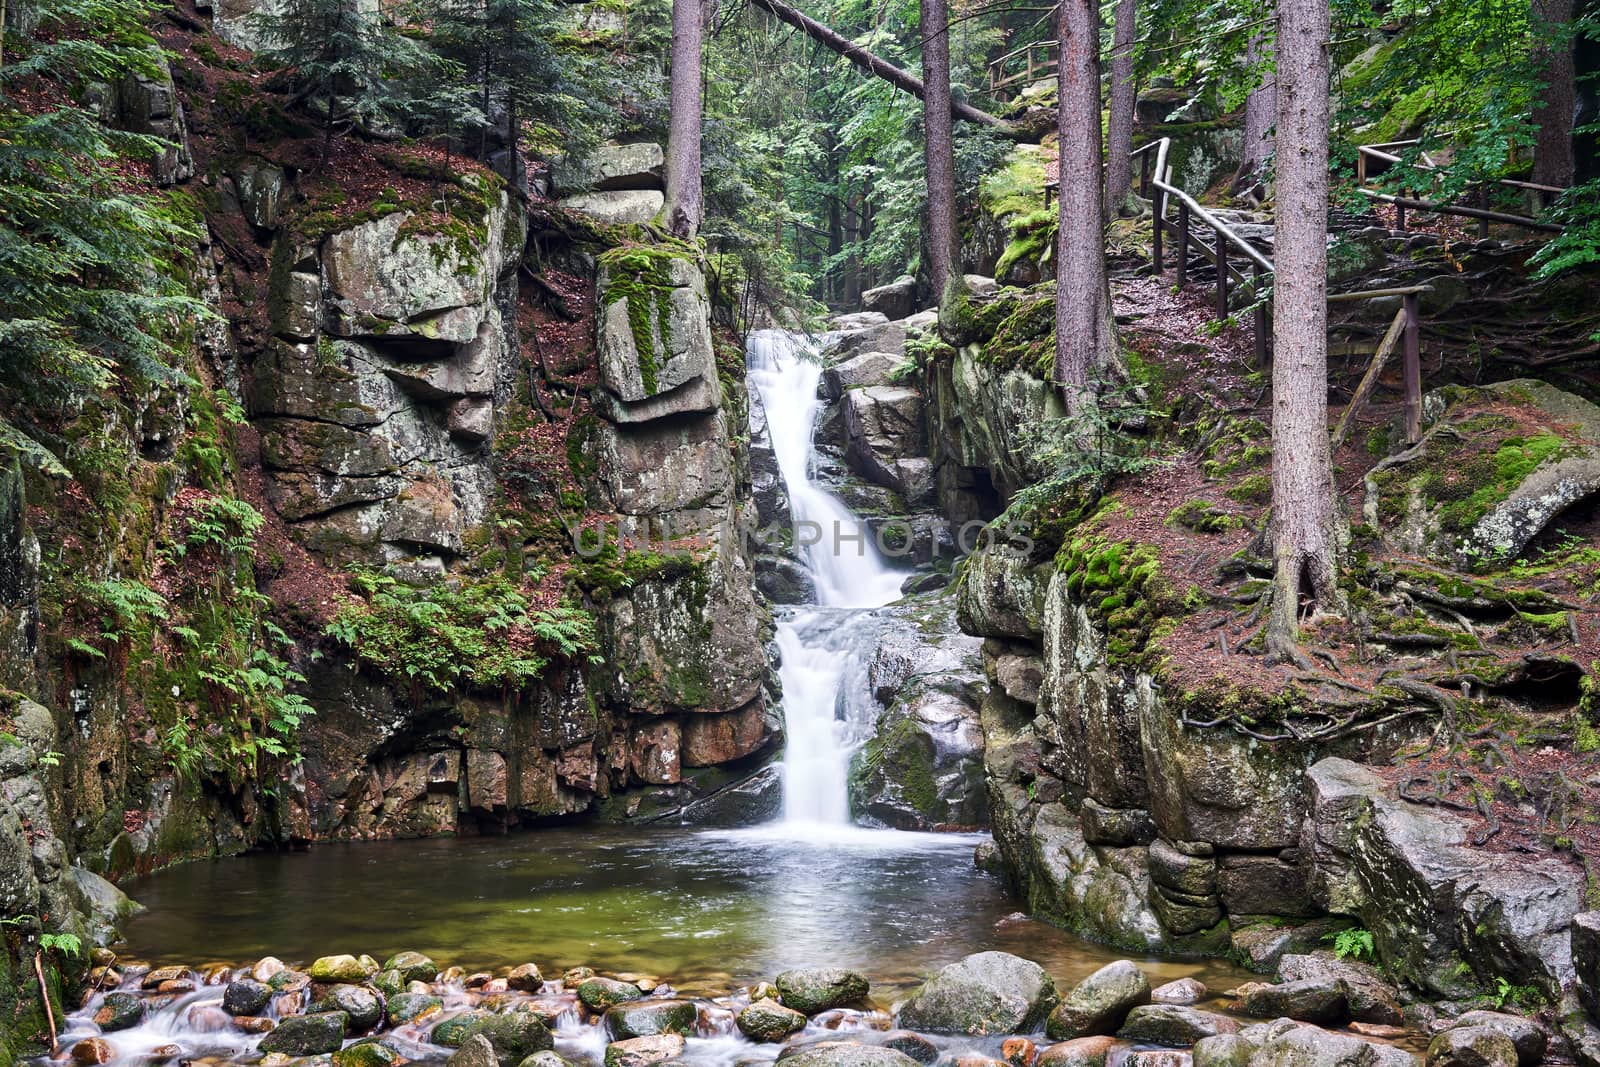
point(1307, 1046)
point(1370, 996)
point(622, 207)
point(1174, 1025)
point(985, 993)
point(883, 429)
point(307, 1035)
point(845, 1054)
point(644, 1051)
point(1528, 1036)
point(1310, 1000)
point(1100, 1003)
point(896, 300)
point(767, 1020)
point(654, 340)
point(1472, 1046)
point(923, 766)
point(859, 371)
point(810, 990)
point(641, 1018)
point(610, 167)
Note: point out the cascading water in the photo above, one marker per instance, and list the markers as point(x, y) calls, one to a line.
point(823, 719)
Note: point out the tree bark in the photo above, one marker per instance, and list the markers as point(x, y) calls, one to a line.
point(1260, 114)
point(1305, 530)
point(1553, 161)
point(1083, 304)
point(1119, 123)
point(683, 210)
point(875, 65)
point(938, 151)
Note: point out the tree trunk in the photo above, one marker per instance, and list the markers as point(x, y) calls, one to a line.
point(1119, 124)
point(1552, 60)
point(1260, 115)
point(938, 152)
point(903, 80)
point(1083, 305)
point(1305, 521)
point(682, 211)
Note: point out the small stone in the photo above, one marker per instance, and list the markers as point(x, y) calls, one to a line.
point(363, 1005)
point(526, 978)
point(478, 980)
point(287, 981)
point(817, 989)
point(1382, 1030)
point(308, 1035)
point(366, 1054)
point(266, 967)
point(1079, 1052)
point(413, 966)
point(254, 1024)
point(644, 1051)
point(389, 983)
point(598, 994)
point(337, 969)
point(246, 996)
point(576, 976)
point(642, 1018)
point(544, 1059)
point(93, 1050)
point(1099, 1003)
point(410, 1007)
point(162, 1053)
point(476, 1051)
point(206, 1019)
point(176, 985)
point(1018, 1051)
point(153, 979)
point(1174, 1025)
point(767, 1020)
point(119, 1011)
point(1223, 1050)
point(1181, 991)
point(912, 1044)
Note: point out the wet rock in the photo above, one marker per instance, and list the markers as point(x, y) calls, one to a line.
point(154, 978)
point(817, 989)
point(1115, 826)
point(1312, 1000)
point(254, 1024)
point(598, 994)
point(337, 969)
point(1019, 1051)
point(362, 1005)
point(644, 1051)
point(768, 1020)
point(476, 1051)
point(912, 1044)
point(93, 1050)
point(883, 425)
point(206, 1019)
point(862, 369)
point(514, 1036)
point(896, 300)
point(1263, 885)
point(119, 1011)
point(1371, 998)
point(1100, 1003)
point(1260, 945)
point(1223, 1050)
point(544, 1059)
point(844, 1054)
point(409, 1007)
point(711, 739)
point(246, 996)
point(1586, 959)
point(307, 1035)
point(105, 907)
point(1528, 1037)
point(1181, 991)
point(985, 993)
point(924, 764)
point(389, 983)
point(372, 1054)
point(645, 1017)
point(1307, 1046)
point(1079, 1052)
point(413, 966)
point(452, 1032)
point(1174, 1025)
point(1472, 1046)
point(1157, 1058)
point(526, 978)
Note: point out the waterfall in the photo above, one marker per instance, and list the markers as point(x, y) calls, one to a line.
point(822, 648)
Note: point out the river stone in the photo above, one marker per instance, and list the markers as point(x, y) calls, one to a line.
point(1525, 1034)
point(337, 969)
point(308, 1035)
point(526, 978)
point(598, 994)
point(844, 1054)
point(644, 1051)
point(93, 1050)
point(912, 1044)
point(413, 966)
point(641, 1018)
point(1308, 1046)
point(1181, 991)
point(1174, 1025)
point(1472, 1046)
point(363, 1005)
point(408, 1007)
point(390, 983)
point(1312, 1000)
point(476, 1051)
point(545, 1059)
point(1370, 997)
point(452, 1032)
point(266, 967)
point(767, 1020)
point(1079, 1052)
point(153, 979)
point(814, 989)
point(119, 1011)
point(1099, 1003)
point(514, 1035)
point(370, 1054)
point(985, 993)
point(1223, 1050)
point(246, 996)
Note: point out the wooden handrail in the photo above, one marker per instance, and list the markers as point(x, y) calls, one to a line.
point(1376, 152)
point(999, 80)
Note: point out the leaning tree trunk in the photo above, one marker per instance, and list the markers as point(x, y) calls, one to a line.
point(1260, 113)
point(1083, 304)
point(682, 210)
point(1119, 124)
point(938, 152)
point(1305, 530)
point(1553, 156)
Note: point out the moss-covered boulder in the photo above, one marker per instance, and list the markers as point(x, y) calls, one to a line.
point(367, 1053)
point(364, 1006)
point(514, 1035)
point(644, 1051)
point(412, 966)
point(656, 357)
point(986, 993)
point(598, 994)
point(768, 1020)
point(810, 990)
point(641, 1018)
point(1174, 1025)
point(1099, 1003)
point(120, 1011)
point(337, 969)
point(307, 1035)
point(409, 1007)
point(246, 996)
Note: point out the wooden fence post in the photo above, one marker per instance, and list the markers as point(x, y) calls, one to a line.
point(1411, 368)
point(1144, 176)
point(1222, 274)
point(1260, 319)
point(1400, 214)
point(1158, 208)
point(1183, 242)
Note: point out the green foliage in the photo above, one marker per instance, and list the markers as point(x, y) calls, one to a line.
point(1353, 944)
point(91, 293)
point(642, 276)
point(484, 633)
point(227, 524)
point(1122, 585)
point(62, 944)
point(1577, 246)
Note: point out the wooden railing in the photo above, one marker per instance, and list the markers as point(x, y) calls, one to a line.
point(1027, 64)
point(1253, 271)
point(1375, 158)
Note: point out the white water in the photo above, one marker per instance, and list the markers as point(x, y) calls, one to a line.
point(826, 713)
